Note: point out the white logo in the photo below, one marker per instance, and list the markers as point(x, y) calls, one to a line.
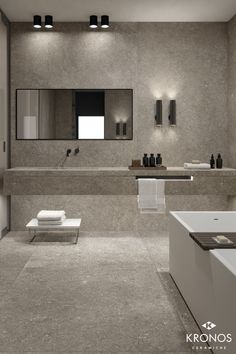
point(209, 325)
point(210, 341)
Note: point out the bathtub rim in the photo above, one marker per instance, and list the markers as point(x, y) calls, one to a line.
point(177, 215)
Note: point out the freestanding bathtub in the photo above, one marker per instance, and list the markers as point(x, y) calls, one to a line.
point(206, 279)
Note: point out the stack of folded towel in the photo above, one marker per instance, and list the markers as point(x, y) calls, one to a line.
point(51, 217)
point(197, 166)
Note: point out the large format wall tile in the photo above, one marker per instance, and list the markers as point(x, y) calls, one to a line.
point(186, 61)
point(108, 213)
point(232, 90)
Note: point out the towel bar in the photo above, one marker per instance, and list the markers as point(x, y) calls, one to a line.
point(169, 178)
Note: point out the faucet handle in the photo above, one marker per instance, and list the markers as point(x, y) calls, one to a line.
point(76, 151)
point(68, 152)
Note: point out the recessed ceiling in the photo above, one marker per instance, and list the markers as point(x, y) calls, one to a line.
point(122, 10)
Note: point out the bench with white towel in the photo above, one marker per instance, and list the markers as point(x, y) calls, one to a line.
point(53, 220)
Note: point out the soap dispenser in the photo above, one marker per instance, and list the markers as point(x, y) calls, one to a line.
point(152, 161)
point(219, 161)
point(159, 160)
point(145, 160)
point(212, 161)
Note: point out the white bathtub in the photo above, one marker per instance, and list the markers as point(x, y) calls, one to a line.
point(207, 221)
point(206, 279)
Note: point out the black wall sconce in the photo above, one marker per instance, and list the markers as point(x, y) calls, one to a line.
point(117, 129)
point(124, 129)
point(172, 113)
point(158, 116)
point(121, 129)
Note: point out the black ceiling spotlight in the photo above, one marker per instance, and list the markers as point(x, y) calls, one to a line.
point(158, 116)
point(37, 21)
point(48, 21)
point(105, 21)
point(172, 115)
point(93, 21)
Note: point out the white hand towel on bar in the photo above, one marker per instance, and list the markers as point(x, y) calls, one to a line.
point(51, 215)
point(198, 166)
point(151, 198)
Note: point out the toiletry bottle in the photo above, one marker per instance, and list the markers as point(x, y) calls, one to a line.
point(219, 161)
point(152, 161)
point(158, 160)
point(145, 160)
point(212, 161)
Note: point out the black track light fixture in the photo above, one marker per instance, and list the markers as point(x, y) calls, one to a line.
point(37, 21)
point(105, 21)
point(93, 21)
point(48, 21)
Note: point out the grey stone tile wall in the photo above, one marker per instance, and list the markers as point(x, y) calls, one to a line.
point(109, 213)
point(232, 90)
point(185, 61)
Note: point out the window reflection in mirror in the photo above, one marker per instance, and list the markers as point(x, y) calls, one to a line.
point(72, 114)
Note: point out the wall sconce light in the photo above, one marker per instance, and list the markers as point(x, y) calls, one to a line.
point(172, 114)
point(37, 21)
point(93, 21)
point(117, 129)
point(48, 21)
point(158, 116)
point(124, 129)
point(105, 21)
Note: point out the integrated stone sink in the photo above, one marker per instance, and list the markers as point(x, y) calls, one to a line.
point(69, 168)
point(92, 168)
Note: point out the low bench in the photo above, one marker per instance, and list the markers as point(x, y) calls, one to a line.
point(67, 225)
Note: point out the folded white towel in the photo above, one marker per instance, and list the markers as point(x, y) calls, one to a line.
point(151, 198)
point(199, 166)
point(51, 222)
point(51, 215)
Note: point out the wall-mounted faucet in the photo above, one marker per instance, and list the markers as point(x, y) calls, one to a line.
point(64, 158)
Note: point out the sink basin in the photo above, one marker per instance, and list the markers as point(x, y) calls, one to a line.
point(69, 168)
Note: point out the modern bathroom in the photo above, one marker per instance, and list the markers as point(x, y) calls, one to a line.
point(117, 176)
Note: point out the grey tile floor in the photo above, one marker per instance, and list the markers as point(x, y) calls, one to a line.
point(110, 293)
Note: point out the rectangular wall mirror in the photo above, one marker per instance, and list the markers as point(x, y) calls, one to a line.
point(74, 114)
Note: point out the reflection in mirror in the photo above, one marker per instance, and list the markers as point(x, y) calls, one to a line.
point(72, 114)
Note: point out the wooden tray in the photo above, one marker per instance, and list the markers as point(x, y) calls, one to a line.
point(205, 241)
point(141, 168)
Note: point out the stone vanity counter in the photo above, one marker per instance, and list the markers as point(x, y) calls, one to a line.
point(113, 181)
